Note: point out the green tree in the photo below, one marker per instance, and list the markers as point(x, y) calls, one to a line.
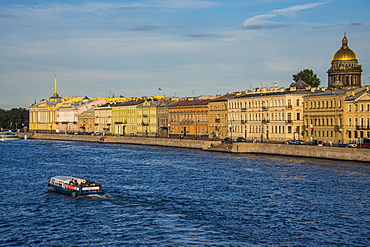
point(308, 77)
point(3, 118)
point(16, 118)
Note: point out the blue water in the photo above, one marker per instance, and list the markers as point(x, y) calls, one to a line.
point(157, 196)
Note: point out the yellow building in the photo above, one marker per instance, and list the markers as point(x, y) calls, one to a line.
point(147, 118)
point(337, 116)
point(43, 115)
point(103, 119)
point(124, 118)
point(217, 116)
point(356, 116)
point(268, 115)
point(323, 116)
point(152, 117)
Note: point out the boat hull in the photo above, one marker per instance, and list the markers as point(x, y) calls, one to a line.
point(62, 185)
point(8, 137)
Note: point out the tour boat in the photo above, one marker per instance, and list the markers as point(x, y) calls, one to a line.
point(8, 136)
point(74, 186)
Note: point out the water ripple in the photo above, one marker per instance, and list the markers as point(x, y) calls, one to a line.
point(158, 196)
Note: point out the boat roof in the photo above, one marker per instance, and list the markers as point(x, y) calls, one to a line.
point(65, 178)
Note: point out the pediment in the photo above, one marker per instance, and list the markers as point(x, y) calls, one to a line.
point(364, 97)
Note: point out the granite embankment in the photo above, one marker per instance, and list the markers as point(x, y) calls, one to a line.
point(326, 152)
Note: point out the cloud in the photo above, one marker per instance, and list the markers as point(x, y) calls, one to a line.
point(6, 16)
point(189, 4)
point(199, 35)
point(267, 26)
point(151, 27)
point(356, 24)
point(259, 22)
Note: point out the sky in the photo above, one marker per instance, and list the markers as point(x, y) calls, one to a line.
point(184, 47)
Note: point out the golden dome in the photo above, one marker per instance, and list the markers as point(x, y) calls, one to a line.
point(344, 53)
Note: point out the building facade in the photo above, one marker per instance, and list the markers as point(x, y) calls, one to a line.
point(124, 118)
point(162, 119)
point(86, 121)
point(43, 115)
point(68, 112)
point(218, 117)
point(274, 114)
point(323, 116)
point(356, 117)
point(103, 119)
point(337, 116)
point(147, 119)
point(188, 119)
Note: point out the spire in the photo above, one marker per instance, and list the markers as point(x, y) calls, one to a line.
point(55, 87)
point(344, 42)
point(55, 96)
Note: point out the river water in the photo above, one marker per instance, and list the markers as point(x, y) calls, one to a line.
point(158, 196)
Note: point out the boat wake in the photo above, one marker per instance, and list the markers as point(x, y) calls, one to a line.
point(99, 196)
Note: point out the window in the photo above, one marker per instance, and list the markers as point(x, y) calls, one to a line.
point(298, 116)
point(349, 107)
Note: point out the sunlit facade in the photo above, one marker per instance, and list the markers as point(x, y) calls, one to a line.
point(274, 115)
point(218, 117)
point(188, 119)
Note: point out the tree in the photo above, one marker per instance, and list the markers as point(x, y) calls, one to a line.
point(308, 77)
point(3, 118)
point(16, 118)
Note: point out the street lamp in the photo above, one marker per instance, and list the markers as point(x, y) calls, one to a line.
point(231, 130)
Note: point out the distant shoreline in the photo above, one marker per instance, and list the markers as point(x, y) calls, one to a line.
point(326, 152)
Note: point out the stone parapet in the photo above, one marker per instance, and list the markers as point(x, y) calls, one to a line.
point(326, 152)
point(334, 153)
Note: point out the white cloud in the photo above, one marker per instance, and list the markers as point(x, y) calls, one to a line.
point(261, 22)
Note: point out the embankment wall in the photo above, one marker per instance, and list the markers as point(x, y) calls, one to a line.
point(325, 152)
point(182, 143)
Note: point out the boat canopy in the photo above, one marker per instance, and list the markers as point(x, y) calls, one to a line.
point(66, 179)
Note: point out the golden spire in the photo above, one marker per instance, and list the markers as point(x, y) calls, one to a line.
point(55, 87)
point(344, 42)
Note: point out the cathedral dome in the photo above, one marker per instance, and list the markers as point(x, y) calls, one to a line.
point(344, 53)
